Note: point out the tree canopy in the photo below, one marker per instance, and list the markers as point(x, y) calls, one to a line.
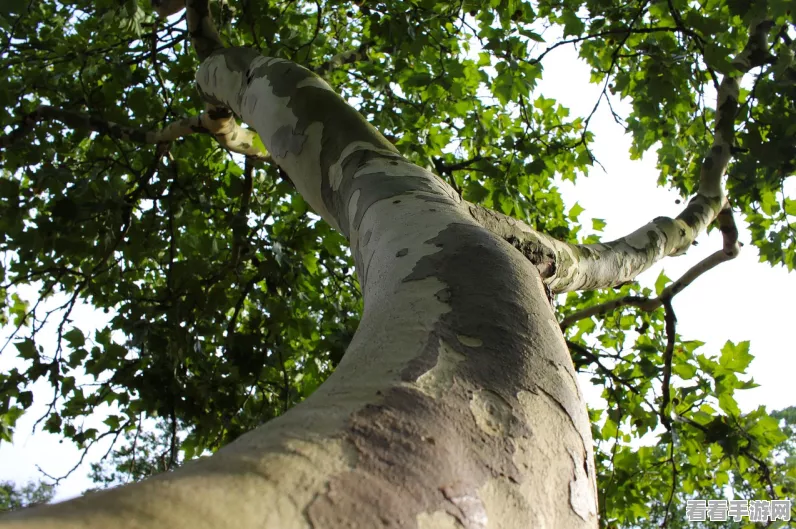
point(14, 497)
point(231, 301)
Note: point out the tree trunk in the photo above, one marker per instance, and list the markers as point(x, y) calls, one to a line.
point(456, 404)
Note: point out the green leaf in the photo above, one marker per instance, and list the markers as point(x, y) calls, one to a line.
point(27, 349)
point(609, 429)
point(735, 357)
point(768, 201)
point(53, 423)
point(661, 283)
point(684, 370)
point(575, 211)
point(531, 35)
point(475, 192)
point(598, 224)
point(25, 399)
point(718, 57)
point(75, 338)
point(572, 24)
point(728, 404)
point(790, 207)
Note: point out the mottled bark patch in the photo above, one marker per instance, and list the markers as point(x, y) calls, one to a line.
point(439, 379)
point(311, 102)
point(581, 489)
point(416, 455)
point(433, 447)
point(492, 413)
point(469, 341)
point(284, 141)
point(495, 299)
point(541, 256)
point(474, 515)
point(373, 187)
point(444, 296)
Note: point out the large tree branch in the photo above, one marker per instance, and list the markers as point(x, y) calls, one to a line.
point(216, 121)
point(566, 267)
point(206, 40)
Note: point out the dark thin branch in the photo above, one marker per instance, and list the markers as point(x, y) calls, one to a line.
point(442, 168)
point(173, 441)
point(583, 351)
point(673, 489)
point(167, 99)
point(614, 60)
point(134, 449)
point(247, 288)
point(764, 470)
point(698, 40)
point(645, 303)
point(668, 355)
point(316, 32)
point(611, 32)
point(178, 129)
point(116, 433)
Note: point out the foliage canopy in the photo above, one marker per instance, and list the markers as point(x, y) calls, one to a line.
point(13, 497)
point(230, 302)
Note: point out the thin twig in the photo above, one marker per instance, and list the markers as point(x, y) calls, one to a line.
point(650, 304)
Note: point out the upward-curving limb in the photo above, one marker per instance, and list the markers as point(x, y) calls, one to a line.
point(566, 267)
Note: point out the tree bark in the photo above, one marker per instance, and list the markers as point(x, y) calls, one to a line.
point(456, 404)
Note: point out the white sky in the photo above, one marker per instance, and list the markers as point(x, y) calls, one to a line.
point(740, 300)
